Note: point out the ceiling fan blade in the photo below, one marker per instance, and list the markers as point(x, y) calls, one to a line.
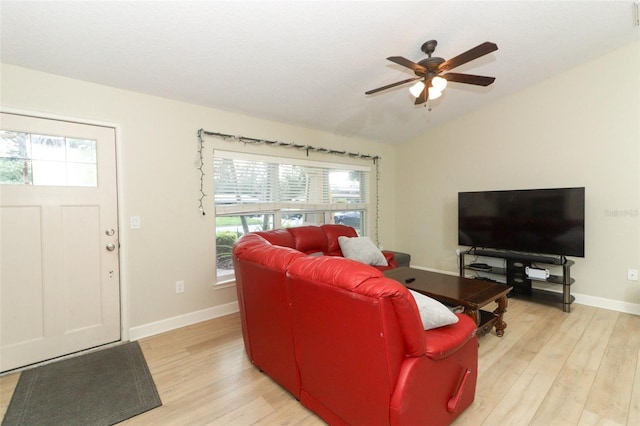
point(407, 63)
point(423, 96)
point(469, 55)
point(389, 86)
point(478, 80)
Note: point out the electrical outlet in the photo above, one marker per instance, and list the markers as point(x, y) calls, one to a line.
point(179, 286)
point(632, 274)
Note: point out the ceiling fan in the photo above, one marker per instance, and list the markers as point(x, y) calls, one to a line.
point(429, 69)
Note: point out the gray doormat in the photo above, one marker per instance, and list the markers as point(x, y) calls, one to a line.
point(100, 388)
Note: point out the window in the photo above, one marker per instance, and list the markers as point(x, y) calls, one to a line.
point(30, 159)
point(254, 193)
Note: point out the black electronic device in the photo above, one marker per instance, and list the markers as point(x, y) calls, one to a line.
point(547, 221)
point(481, 266)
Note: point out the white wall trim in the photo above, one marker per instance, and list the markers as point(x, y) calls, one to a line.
point(613, 305)
point(169, 324)
point(583, 299)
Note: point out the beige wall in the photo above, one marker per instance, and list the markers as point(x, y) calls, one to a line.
point(160, 182)
point(579, 128)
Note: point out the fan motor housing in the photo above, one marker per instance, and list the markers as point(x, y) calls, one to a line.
point(430, 64)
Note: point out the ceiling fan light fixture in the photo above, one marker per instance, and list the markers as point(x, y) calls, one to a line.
point(438, 83)
point(416, 89)
point(430, 84)
point(434, 94)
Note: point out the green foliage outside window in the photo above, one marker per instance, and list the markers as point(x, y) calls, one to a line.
point(15, 171)
point(224, 243)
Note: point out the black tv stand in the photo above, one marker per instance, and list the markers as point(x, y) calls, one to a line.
point(541, 258)
point(514, 274)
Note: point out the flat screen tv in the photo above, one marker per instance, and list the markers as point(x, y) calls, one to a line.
point(541, 221)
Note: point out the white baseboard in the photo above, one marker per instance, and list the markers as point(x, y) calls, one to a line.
point(613, 305)
point(583, 299)
point(146, 330)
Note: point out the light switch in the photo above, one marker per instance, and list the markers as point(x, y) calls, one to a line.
point(134, 222)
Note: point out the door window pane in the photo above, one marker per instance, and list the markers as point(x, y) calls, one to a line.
point(51, 173)
point(15, 171)
point(31, 159)
point(81, 174)
point(50, 148)
point(14, 144)
point(81, 151)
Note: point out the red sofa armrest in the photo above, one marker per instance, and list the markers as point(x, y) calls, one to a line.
point(435, 391)
point(390, 256)
point(443, 341)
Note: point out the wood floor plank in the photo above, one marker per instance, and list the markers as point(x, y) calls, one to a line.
point(530, 334)
point(523, 398)
point(8, 384)
point(591, 419)
point(610, 395)
point(565, 400)
point(550, 367)
point(247, 414)
point(634, 408)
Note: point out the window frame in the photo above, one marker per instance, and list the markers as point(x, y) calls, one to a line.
point(277, 208)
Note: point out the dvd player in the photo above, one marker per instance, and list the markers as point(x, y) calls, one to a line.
point(481, 266)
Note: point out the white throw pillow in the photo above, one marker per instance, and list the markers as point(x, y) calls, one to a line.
point(362, 249)
point(433, 313)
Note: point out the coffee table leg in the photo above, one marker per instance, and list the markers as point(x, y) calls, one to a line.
point(474, 314)
point(499, 312)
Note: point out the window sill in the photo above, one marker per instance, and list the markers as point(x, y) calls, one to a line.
point(218, 285)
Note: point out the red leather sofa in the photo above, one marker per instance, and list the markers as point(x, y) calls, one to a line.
point(344, 339)
point(315, 240)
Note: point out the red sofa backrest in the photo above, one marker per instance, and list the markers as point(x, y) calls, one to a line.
point(310, 239)
point(264, 307)
point(333, 232)
point(278, 237)
point(372, 326)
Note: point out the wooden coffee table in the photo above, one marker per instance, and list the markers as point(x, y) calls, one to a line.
point(454, 290)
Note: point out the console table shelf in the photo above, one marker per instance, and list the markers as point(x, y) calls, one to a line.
point(513, 273)
point(546, 296)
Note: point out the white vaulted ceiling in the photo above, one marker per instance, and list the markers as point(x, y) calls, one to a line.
point(309, 63)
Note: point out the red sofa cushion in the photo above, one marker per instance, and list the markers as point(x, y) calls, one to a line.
point(309, 239)
point(333, 232)
point(278, 237)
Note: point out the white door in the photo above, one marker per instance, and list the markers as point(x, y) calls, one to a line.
point(59, 277)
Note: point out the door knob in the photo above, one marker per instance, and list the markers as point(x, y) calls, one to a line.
point(111, 247)
point(110, 232)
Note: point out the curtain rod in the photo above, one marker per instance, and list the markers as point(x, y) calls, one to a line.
point(307, 148)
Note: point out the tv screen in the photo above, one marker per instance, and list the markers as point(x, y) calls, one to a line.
point(546, 221)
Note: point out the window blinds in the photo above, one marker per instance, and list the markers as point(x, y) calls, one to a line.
point(245, 182)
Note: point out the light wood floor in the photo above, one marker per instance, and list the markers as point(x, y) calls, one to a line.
point(550, 367)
